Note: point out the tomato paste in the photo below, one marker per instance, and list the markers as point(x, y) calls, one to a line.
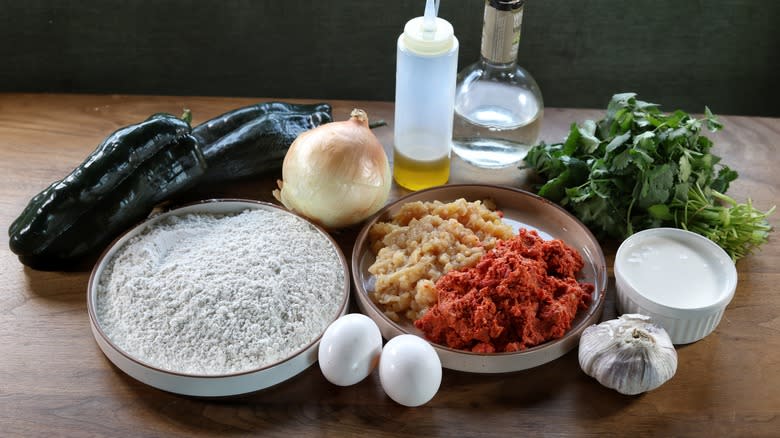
point(521, 293)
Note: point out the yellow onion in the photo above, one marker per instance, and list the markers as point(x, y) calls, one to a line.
point(336, 174)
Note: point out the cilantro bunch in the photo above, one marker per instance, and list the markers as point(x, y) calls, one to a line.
point(640, 168)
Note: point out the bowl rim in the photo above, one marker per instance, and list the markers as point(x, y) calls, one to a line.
point(120, 240)
point(727, 288)
point(599, 265)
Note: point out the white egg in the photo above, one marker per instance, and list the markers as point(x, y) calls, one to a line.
point(409, 370)
point(349, 349)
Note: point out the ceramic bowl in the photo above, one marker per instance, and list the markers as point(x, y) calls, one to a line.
point(681, 279)
point(208, 385)
point(521, 209)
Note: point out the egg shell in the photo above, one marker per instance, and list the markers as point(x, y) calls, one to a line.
point(410, 370)
point(349, 349)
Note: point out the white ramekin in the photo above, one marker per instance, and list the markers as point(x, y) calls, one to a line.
point(684, 324)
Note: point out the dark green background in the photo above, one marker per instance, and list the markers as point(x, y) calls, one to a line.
point(680, 53)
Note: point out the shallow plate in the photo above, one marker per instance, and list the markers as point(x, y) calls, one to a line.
point(206, 385)
point(521, 209)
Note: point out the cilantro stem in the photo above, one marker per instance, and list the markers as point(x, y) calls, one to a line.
point(629, 226)
point(738, 228)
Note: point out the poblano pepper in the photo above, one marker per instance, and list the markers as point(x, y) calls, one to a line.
point(253, 140)
point(115, 187)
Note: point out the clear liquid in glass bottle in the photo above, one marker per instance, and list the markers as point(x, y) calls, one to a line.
point(498, 104)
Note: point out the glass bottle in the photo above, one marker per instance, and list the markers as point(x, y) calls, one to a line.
point(498, 105)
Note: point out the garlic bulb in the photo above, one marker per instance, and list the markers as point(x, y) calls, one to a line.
point(630, 354)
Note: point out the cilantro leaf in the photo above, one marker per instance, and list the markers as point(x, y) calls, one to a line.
point(618, 141)
point(656, 186)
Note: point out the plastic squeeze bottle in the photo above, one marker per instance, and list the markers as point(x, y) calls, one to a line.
point(426, 70)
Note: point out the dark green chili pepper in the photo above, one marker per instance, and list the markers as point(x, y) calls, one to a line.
point(116, 186)
point(253, 140)
point(212, 130)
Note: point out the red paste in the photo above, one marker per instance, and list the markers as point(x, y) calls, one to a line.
point(521, 293)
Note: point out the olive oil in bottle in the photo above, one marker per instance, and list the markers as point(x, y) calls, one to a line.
point(426, 68)
point(416, 174)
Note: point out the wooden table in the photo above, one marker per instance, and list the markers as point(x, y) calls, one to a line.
point(54, 380)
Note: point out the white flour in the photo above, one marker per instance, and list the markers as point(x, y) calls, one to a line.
point(207, 294)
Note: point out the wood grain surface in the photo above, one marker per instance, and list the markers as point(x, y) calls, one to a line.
point(55, 381)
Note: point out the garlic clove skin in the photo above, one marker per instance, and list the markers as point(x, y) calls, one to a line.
point(629, 354)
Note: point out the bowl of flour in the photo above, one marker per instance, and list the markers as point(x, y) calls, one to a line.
point(217, 298)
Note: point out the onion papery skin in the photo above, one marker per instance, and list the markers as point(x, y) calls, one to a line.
point(337, 174)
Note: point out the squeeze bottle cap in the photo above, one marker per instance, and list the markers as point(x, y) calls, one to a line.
point(429, 34)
